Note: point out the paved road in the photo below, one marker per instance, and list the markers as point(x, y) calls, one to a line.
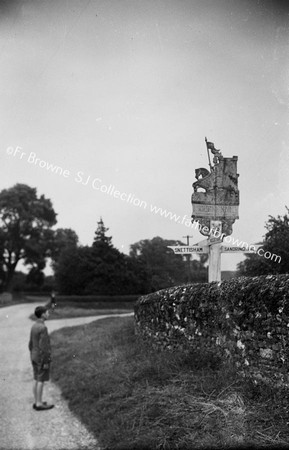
point(22, 428)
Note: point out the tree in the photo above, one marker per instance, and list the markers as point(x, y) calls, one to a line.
point(35, 276)
point(101, 242)
point(107, 266)
point(71, 274)
point(276, 243)
point(135, 277)
point(25, 223)
point(100, 269)
point(163, 266)
point(102, 263)
point(61, 239)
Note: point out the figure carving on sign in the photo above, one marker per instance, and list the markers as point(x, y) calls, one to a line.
point(217, 153)
point(216, 194)
point(203, 182)
point(202, 172)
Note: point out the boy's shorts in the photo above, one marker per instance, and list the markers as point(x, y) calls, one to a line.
point(39, 373)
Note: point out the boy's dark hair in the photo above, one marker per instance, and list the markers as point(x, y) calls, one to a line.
point(39, 310)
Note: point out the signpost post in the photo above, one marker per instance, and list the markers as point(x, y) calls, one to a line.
point(214, 250)
point(215, 262)
point(215, 203)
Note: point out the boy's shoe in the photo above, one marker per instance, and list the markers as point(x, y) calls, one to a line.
point(43, 407)
point(34, 404)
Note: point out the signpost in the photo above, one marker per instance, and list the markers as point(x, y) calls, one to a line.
point(215, 203)
point(214, 250)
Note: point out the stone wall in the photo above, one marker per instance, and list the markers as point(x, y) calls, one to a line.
point(244, 319)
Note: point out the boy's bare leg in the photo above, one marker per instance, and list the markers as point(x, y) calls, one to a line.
point(39, 391)
point(35, 391)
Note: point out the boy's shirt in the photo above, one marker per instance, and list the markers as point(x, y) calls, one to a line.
point(39, 343)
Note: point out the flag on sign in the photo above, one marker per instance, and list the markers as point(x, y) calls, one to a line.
point(210, 145)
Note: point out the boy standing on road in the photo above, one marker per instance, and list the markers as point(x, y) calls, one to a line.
point(40, 354)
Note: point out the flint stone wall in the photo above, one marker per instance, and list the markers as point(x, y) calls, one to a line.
point(245, 320)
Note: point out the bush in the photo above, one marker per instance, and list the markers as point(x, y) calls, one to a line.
point(244, 319)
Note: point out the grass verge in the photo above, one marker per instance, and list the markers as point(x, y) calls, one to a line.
point(20, 299)
point(66, 311)
point(71, 309)
point(131, 396)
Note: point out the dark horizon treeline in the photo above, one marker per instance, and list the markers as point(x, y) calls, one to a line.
point(27, 235)
point(101, 269)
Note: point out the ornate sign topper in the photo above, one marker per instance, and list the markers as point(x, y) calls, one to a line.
point(216, 194)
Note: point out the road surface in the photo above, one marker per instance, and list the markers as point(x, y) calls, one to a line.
point(21, 427)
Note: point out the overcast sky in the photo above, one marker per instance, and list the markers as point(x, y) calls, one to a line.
point(125, 91)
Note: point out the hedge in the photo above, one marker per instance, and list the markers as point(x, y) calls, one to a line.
point(245, 320)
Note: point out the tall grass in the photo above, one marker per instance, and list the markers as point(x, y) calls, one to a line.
point(132, 396)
